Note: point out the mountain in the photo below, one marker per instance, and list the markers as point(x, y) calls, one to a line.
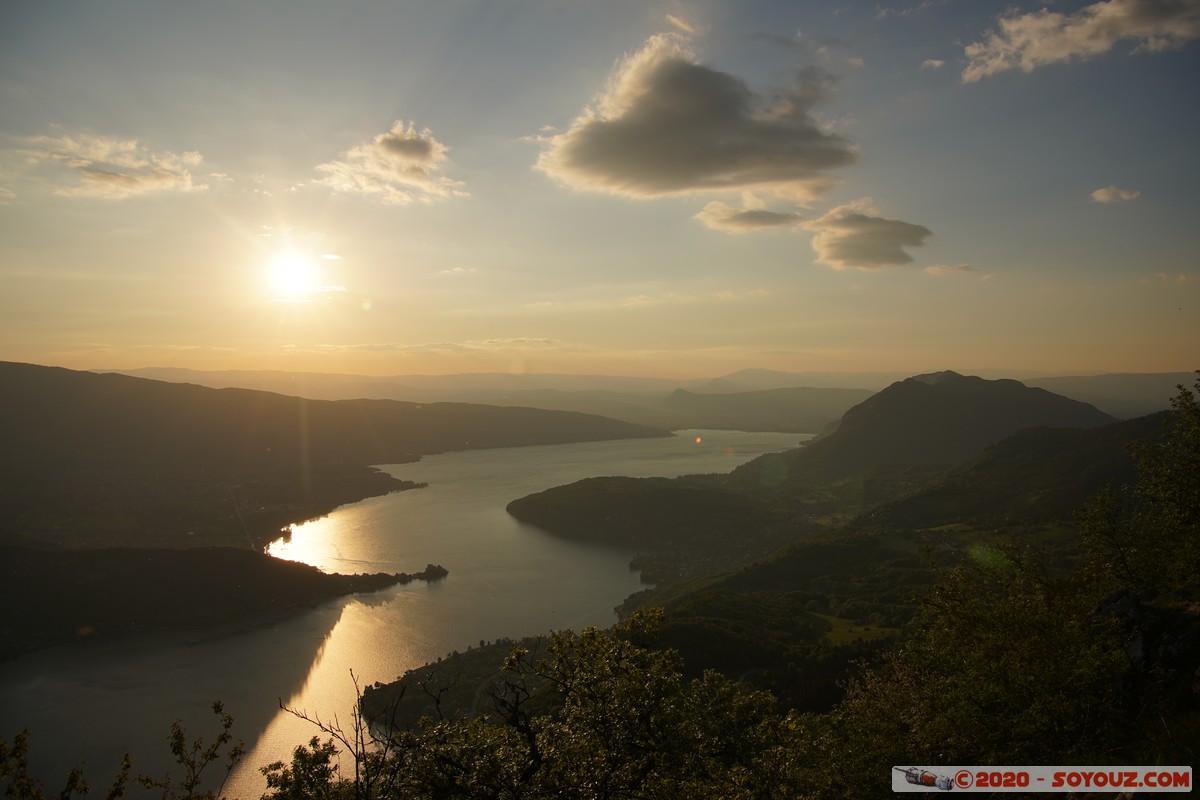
point(415, 388)
point(938, 419)
point(1124, 395)
point(114, 460)
point(655, 402)
point(886, 447)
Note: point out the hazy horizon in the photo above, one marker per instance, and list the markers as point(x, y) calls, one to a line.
point(676, 189)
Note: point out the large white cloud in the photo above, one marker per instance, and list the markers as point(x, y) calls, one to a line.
point(667, 125)
point(852, 235)
point(399, 166)
point(112, 168)
point(1029, 41)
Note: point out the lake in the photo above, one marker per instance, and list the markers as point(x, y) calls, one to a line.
point(97, 701)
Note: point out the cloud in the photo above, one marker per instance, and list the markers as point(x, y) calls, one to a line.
point(1179, 278)
point(933, 63)
point(753, 216)
point(430, 348)
point(852, 236)
point(909, 11)
point(667, 125)
point(1111, 194)
point(682, 24)
point(948, 269)
point(111, 168)
point(1029, 41)
point(399, 166)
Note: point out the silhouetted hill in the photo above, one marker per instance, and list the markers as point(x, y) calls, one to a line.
point(940, 419)
point(715, 526)
point(68, 594)
point(643, 401)
point(886, 447)
point(93, 460)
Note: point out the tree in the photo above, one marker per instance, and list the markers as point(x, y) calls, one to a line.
point(595, 714)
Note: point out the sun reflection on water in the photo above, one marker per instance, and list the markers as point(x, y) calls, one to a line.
point(314, 542)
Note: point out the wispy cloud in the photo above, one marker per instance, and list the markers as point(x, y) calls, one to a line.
point(933, 63)
point(851, 235)
point(1031, 40)
point(668, 125)
point(949, 269)
point(431, 348)
point(682, 24)
point(399, 166)
point(910, 10)
point(1178, 278)
point(112, 168)
point(1112, 194)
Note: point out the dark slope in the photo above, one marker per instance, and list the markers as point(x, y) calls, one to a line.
point(95, 460)
point(938, 420)
point(1034, 476)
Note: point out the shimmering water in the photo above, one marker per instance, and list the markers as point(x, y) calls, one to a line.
point(98, 701)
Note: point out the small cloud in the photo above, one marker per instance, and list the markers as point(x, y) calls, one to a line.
point(947, 269)
point(6, 196)
point(752, 217)
point(852, 236)
point(1111, 194)
point(1032, 40)
point(330, 257)
point(909, 11)
point(111, 168)
point(1178, 278)
point(519, 341)
point(668, 125)
point(933, 63)
point(399, 166)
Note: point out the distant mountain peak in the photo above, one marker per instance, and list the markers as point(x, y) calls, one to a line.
point(934, 378)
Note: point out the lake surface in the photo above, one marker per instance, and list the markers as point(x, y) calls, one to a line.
point(97, 701)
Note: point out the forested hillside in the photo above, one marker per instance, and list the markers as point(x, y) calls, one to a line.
point(105, 460)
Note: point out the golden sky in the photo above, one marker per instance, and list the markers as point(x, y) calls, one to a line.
point(672, 188)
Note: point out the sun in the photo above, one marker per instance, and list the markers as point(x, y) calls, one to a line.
point(292, 275)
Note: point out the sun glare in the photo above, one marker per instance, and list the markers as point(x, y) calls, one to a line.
point(293, 276)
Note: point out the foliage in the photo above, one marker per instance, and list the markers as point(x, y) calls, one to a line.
point(596, 714)
point(1148, 536)
point(1006, 664)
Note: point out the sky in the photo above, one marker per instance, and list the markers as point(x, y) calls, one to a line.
point(676, 188)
